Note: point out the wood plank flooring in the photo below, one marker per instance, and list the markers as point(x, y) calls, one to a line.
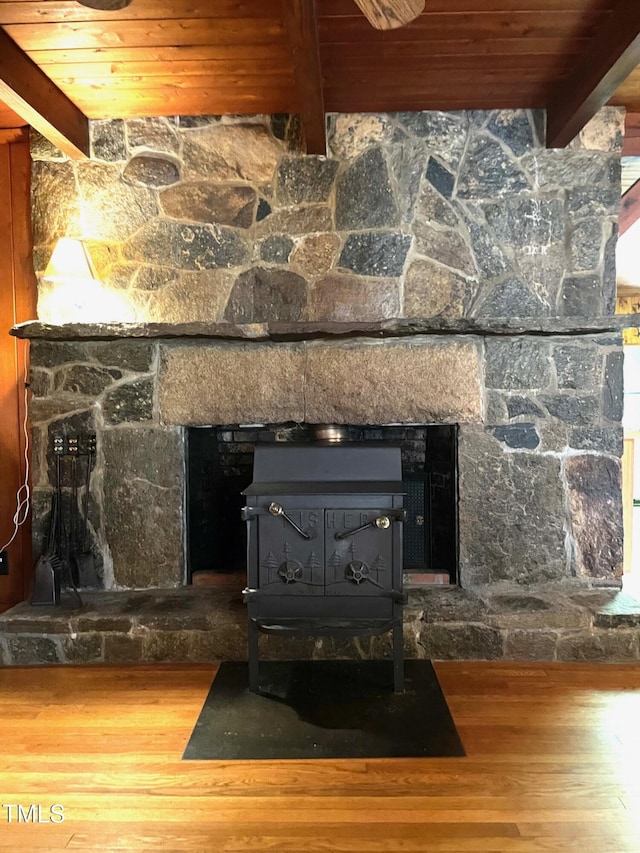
point(553, 764)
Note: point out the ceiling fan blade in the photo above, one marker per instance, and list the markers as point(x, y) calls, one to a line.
point(106, 5)
point(390, 14)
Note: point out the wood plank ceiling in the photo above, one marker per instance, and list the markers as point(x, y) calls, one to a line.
point(172, 57)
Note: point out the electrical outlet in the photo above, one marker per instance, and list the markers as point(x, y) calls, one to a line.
point(4, 563)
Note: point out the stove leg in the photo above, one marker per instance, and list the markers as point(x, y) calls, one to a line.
point(253, 656)
point(398, 659)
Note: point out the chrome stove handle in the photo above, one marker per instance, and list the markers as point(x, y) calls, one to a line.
point(276, 509)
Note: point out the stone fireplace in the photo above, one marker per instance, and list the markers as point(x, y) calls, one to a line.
point(435, 269)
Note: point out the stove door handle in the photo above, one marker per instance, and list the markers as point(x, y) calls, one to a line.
point(277, 509)
point(382, 522)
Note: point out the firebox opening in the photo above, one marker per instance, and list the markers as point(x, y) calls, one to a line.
point(220, 466)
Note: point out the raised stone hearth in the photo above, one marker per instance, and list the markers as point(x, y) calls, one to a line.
point(556, 622)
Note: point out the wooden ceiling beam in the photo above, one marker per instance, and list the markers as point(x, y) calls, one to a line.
point(26, 90)
point(607, 61)
point(629, 208)
point(631, 144)
point(301, 24)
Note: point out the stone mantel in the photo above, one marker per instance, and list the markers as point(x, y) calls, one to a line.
point(299, 331)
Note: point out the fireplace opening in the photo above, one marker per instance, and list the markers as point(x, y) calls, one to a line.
point(220, 466)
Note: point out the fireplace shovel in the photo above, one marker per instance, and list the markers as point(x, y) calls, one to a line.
point(48, 571)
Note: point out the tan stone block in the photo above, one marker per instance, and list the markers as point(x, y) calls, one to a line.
point(229, 384)
point(413, 381)
point(316, 253)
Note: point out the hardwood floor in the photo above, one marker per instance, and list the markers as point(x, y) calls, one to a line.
point(553, 764)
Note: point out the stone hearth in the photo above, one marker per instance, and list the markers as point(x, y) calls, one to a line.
point(551, 622)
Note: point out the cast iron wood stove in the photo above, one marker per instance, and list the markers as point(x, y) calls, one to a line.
point(324, 544)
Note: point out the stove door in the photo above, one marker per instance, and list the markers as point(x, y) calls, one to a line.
point(359, 549)
point(288, 563)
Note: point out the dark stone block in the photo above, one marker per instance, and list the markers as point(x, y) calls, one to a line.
point(444, 132)
point(40, 382)
point(122, 649)
point(606, 440)
point(578, 367)
point(193, 122)
point(512, 298)
point(517, 406)
point(190, 247)
point(407, 165)
point(84, 379)
point(582, 410)
point(609, 282)
point(151, 170)
point(599, 646)
point(531, 225)
point(54, 353)
point(25, 650)
point(129, 402)
point(595, 499)
point(517, 603)
point(136, 356)
point(612, 395)
point(205, 202)
point(440, 178)
point(594, 201)
point(515, 364)
point(83, 648)
point(301, 180)
point(490, 259)
point(108, 140)
point(452, 604)
point(264, 209)
point(530, 645)
point(519, 436)
point(143, 507)
point(460, 642)
point(487, 171)
point(514, 129)
point(511, 512)
point(376, 253)
point(581, 296)
point(276, 249)
point(261, 294)
point(364, 197)
point(585, 245)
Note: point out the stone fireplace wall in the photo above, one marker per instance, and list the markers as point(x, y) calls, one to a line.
point(463, 220)
point(412, 215)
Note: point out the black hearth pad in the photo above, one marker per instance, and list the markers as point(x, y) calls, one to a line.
point(324, 709)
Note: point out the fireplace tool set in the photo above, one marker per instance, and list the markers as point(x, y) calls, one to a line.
point(324, 543)
point(67, 561)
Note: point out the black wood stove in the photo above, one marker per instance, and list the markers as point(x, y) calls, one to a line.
point(324, 545)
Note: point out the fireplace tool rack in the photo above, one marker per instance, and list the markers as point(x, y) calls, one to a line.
point(324, 545)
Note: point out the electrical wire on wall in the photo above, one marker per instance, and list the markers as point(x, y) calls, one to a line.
point(23, 495)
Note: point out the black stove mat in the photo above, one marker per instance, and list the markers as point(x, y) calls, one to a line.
point(324, 709)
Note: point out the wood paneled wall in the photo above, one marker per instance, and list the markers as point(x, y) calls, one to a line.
point(17, 303)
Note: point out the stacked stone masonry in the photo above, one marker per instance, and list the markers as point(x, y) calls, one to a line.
point(427, 218)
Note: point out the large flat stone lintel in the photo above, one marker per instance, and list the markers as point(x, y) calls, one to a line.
point(410, 381)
